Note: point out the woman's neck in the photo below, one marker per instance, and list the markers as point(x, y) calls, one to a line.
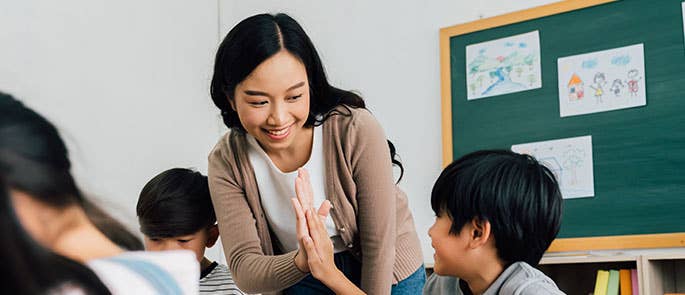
point(288, 160)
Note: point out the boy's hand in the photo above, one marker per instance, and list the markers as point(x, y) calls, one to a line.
point(303, 203)
point(316, 248)
point(320, 257)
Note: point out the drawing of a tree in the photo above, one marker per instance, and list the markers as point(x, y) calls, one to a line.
point(573, 159)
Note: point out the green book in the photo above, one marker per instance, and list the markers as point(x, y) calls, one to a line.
point(612, 287)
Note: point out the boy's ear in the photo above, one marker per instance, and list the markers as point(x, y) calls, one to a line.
point(480, 232)
point(213, 235)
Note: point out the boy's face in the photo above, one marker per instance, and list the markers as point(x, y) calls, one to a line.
point(450, 250)
point(196, 242)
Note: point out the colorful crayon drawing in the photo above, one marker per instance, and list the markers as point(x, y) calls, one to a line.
point(502, 66)
point(570, 159)
point(615, 81)
point(575, 87)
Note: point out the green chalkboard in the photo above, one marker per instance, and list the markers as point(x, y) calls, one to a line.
point(639, 153)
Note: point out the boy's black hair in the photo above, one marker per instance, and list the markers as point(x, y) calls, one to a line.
point(175, 203)
point(518, 196)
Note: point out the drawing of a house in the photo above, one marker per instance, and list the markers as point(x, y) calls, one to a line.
point(575, 88)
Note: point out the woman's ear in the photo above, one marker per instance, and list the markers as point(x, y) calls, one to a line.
point(480, 232)
point(231, 102)
point(212, 235)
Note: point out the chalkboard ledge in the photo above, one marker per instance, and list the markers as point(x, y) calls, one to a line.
point(670, 240)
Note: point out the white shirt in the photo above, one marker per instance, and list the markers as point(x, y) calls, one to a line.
point(276, 188)
point(138, 272)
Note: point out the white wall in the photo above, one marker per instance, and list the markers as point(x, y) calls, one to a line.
point(126, 82)
point(387, 50)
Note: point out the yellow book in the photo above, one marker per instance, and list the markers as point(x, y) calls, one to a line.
point(602, 282)
point(626, 283)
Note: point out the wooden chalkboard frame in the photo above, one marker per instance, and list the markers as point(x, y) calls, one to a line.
point(563, 244)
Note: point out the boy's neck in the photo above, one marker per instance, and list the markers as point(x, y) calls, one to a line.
point(205, 263)
point(488, 271)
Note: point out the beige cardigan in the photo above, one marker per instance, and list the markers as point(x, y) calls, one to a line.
point(369, 210)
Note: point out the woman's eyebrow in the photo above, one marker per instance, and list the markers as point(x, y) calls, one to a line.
point(261, 93)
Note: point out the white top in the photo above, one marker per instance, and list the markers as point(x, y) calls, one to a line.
point(218, 282)
point(139, 272)
point(276, 188)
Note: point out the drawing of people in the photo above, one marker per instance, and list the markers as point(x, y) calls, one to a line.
point(575, 88)
point(598, 83)
point(633, 80)
point(617, 86)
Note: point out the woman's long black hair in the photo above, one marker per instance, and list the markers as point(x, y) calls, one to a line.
point(257, 38)
point(34, 160)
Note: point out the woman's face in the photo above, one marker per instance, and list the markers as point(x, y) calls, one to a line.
point(273, 103)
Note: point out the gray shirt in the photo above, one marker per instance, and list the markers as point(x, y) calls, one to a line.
point(518, 279)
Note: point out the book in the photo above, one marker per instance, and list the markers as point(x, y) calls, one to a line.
point(625, 282)
point(612, 287)
point(633, 280)
point(602, 282)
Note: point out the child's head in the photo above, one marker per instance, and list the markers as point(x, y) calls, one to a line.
point(493, 194)
point(175, 212)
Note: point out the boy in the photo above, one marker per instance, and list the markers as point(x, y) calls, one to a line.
point(497, 212)
point(175, 212)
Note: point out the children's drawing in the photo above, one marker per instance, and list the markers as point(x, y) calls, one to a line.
point(502, 66)
point(633, 82)
point(570, 159)
point(598, 86)
point(614, 81)
point(616, 87)
point(575, 88)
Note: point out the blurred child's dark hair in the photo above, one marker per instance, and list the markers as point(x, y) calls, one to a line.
point(519, 196)
point(34, 160)
point(175, 203)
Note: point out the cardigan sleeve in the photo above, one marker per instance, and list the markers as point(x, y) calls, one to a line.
point(376, 217)
point(253, 271)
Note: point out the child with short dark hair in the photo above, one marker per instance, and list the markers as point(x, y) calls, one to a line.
point(175, 212)
point(497, 212)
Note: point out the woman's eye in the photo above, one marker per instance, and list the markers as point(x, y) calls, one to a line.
point(183, 241)
point(258, 103)
point(295, 97)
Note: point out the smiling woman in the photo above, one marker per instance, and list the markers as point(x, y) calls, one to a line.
point(273, 94)
point(272, 104)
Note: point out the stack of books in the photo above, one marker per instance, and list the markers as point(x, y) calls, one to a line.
point(611, 282)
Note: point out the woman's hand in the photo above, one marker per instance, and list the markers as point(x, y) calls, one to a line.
point(319, 249)
point(303, 203)
point(316, 247)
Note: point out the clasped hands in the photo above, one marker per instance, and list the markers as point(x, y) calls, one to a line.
point(315, 253)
